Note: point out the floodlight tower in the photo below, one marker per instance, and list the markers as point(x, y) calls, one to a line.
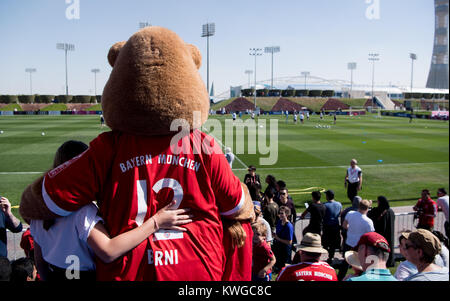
point(255, 52)
point(438, 75)
point(95, 71)
point(351, 66)
point(66, 47)
point(31, 71)
point(305, 74)
point(272, 50)
point(144, 24)
point(249, 72)
point(374, 57)
point(413, 57)
point(208, 30)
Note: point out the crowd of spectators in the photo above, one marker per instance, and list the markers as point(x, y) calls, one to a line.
point(364, 233)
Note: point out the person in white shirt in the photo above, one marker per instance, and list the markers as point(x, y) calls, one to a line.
point(230, 156)
point(357, 224)
point(406, 268)
point(442, 203)
point(353, 179)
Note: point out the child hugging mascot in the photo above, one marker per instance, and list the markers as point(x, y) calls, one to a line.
point(155, 102)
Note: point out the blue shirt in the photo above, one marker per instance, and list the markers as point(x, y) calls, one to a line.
point(5, 223)
point(375, 275)
point(286, 231)
point(332, 213)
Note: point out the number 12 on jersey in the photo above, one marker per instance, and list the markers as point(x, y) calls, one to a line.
point(142, 197)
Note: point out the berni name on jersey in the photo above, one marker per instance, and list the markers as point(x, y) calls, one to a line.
point(162, 159)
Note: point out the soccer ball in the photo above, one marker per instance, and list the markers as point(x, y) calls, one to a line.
point(1, 132)
point(43, 134)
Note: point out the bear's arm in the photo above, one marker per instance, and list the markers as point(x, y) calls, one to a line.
point(32, 205)
point(71, 185)
point(233, 198)
point(247, 212)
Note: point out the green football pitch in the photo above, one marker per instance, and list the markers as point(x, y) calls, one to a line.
point(398, 158)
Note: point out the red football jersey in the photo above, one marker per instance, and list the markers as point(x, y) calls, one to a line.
point(132, 177)
point(262, 255)
point(308, 271)
point(429, 211)
point(238, 265)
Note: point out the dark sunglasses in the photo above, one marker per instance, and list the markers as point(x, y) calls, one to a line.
point(283, 193)
point(407, 246)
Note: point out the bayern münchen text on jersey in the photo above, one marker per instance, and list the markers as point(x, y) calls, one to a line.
point(162, 159)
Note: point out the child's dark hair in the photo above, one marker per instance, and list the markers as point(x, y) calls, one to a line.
point(21, 269)
point(68, 150)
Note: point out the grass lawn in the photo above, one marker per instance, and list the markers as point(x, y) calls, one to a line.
point(414, 156)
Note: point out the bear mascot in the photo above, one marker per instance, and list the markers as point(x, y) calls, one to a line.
point(155, 103)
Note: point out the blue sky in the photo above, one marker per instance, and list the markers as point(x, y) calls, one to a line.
point(319, 36)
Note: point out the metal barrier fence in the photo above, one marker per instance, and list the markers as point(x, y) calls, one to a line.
point(403, 221)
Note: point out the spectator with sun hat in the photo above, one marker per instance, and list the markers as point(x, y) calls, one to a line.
point(421, 249)
point(311, 268)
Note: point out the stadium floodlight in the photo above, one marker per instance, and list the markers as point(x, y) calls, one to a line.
point(66, 47)
point(144, 24)
point(305, 74)
point(374, 57)
point(249, 72)
point(255, 52)
point(413, 57)
point(351, 66)
point(95, 71)
point(272, 50)
point(208, 30)
point(31, 71)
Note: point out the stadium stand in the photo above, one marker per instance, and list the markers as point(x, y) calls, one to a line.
point(239, 104)
point(284, 104)
point(385, 102)
point(79, 106)
point(334, 104)
point(33, 106)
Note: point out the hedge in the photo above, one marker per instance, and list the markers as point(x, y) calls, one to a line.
point(9, 99)
point(328, 93)
point(81, 99)
point(247, 92)
point(44, 98)
point(262, 92)
point(315, 93)
point(288, 93)
point(300, 93)
point(26, 98)
point(63, 98)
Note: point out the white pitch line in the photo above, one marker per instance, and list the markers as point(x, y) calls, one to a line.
point(223, 146)
point(341, 166)
point(21, 172)
point(260, 168)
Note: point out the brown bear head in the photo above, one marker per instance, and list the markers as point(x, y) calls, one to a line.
point(154, 81)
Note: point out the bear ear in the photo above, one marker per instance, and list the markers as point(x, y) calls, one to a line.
point(114, 52)
point(196, 56)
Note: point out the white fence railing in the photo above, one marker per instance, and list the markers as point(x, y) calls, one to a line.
point(403, 221)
